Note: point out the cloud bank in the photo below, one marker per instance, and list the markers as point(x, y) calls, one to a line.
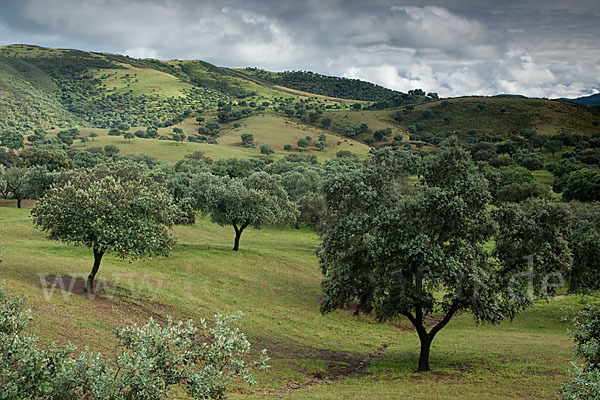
point(453, 47)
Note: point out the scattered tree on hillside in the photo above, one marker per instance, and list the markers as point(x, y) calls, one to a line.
point(247, 139)
point(326, 122)
point(266, 149)
point(553, 146)
point(93, 135)
point(413, 250)
point(253, 201)
point(179, 136)
point(128, 136)
point(111, 150)
point(302, 143)
point(583, 185)
point(121, 208)
point(16, 183)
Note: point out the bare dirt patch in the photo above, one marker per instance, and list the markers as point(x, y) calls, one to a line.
point(107, 298)
point(339, 364)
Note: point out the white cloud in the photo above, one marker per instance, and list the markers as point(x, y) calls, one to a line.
point(141, 52)
point(453, 47)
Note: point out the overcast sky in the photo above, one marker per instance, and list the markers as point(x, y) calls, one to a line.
point(546, 48)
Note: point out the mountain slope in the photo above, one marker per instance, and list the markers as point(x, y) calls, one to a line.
point(589, 101)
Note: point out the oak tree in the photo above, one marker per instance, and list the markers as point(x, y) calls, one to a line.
point(122, 208)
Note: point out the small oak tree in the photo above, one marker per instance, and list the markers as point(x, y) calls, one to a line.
point(123, 208)
point(253, 201)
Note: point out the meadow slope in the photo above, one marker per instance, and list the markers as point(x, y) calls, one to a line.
point(274, 279)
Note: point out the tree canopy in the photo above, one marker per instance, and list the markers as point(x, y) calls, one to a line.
point(254, 201)
point(123, 208)
point(414, 250)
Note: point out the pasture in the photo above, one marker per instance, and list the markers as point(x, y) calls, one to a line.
point(275, 280)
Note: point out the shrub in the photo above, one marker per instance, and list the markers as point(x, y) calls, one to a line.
point(149, 361)
point(585, 382)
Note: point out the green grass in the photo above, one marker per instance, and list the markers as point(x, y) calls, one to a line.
point(138, 81)
point(274, 279)
point(269, 128)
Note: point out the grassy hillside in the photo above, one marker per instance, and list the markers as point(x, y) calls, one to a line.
point(29, 98)
point(270, 128)
point(502, 116)
point(275, 281)
point(59, 88)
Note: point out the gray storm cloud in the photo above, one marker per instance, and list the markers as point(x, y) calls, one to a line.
point(454, 47)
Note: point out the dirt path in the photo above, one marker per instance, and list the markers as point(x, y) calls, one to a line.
point(341, 365)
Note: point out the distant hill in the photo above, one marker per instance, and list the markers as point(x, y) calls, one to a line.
point(519, 96)
point(502, 116)
point(58, 88)
point(333, 86)
point(592, 100)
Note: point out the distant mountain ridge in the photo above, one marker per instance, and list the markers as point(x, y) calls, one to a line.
point(589, 101)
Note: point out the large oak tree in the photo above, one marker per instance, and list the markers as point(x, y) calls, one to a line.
point(124, 208)
point(398, 249)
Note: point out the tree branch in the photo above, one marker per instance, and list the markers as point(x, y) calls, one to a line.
point(453, 308)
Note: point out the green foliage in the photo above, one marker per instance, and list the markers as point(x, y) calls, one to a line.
point(11, 139)
point(519, 192)
point(585, 246)
point(583, 185)
point(332, 86)
point(585, 377)
point(415, 250)
point(150, 361)
point(533, 239)
point(530, 160)
point(2, 178)
point(232, 167)
point(122, 208)
point(51, 157)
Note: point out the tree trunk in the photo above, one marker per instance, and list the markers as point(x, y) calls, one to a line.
point(19, 203)
point(238, 235)
point(424, 355)
point(89, 287)
point(418, 322)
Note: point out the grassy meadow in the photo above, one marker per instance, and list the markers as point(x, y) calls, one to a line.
point(275, 281)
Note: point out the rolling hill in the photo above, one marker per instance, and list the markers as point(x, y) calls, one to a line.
point(58, 88)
